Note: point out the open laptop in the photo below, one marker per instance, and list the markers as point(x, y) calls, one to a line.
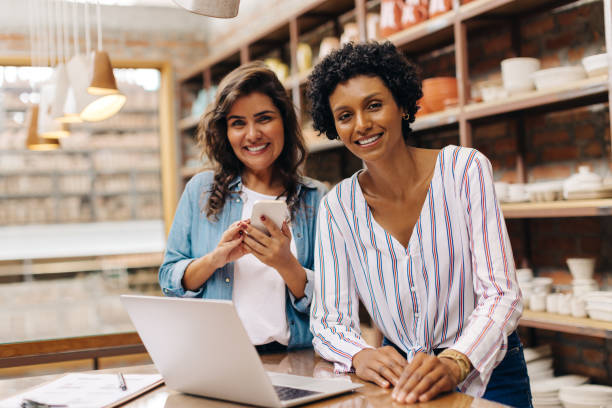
point(200, 347)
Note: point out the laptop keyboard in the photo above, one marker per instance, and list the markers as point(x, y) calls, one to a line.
point(288, 393)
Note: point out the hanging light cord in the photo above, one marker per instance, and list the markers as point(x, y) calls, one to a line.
point(75, 28)
point(99, 25)
point(87, 36)
point(58, 32)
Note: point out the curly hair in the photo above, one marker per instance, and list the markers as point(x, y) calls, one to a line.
point(212, 134)
point(374, 59)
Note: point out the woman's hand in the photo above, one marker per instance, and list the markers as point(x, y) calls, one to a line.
point(425, 377)
point(229, 249)
point(274, 250)
point(382, 366)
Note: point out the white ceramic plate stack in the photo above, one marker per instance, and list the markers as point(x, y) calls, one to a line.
point(599, 305)
point(545, 191)
point(557, 77)
point(586, 396)
point(585, 185)
point(545, 393)
point(540, 369)
point(536, 353)
point(596, 65)
point(524, 277)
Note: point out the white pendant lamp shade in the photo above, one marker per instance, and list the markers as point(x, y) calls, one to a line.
point(63, 108)
point(33, 141)
point(47, 126)
point(79, 71)
point(103, 107)
point(71, 115)
point(211, 8)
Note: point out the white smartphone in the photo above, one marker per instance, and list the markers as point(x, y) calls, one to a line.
point(274, 210)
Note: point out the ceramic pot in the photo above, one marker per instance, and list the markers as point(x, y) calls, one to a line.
point(414, 12)
point(437, 90)
point(437, 7)
point(390, 17)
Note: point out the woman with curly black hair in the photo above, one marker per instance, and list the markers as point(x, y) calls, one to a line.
point(251, 133)
point(418, 237)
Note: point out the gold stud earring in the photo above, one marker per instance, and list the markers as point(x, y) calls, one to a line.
point(405, 116)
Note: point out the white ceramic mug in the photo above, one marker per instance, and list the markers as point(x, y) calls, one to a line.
point(552, 303)
point(537, 302)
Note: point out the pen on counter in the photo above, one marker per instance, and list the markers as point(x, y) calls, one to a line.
point(121, 382)
point(30, 403)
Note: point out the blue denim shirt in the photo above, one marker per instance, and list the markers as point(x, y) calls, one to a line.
point(193, 235)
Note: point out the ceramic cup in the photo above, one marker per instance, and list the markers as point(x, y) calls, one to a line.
point(578, 306)
point(552, 303)
point(537, 302)
point(564, 303)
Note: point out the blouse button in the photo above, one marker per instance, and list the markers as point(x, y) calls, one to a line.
point(416, 315)
point(237, 200)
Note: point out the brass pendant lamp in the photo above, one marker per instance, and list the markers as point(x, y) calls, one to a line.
point(103, 84)
point(33, 140)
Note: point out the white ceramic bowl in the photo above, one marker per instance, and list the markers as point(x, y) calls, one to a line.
point(596, 65)
point(581, 268)
point(541, 284)
point(559, 76)
point(524, 275)
point(516, 74)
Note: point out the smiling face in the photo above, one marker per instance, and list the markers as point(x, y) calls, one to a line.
point(366, 116)
point(255, 131)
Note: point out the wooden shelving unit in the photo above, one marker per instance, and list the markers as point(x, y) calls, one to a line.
point(572, 93)
point(566, 324)
point(557, 209)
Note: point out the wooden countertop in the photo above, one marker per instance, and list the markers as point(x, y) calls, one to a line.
point(303, 362)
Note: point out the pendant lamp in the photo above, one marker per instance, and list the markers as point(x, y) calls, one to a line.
point(102, 84)
point(211, 8)
point(47, 126)
point(33, 141)
point(64, 108)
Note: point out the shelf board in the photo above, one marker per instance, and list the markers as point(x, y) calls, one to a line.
point(426, 35)
point(573, 91)
point(323, 144)
point(130, 261)
point(189, 122)
point(557, 209)
point(566, 324)
point(436, 119)
point(503, 8)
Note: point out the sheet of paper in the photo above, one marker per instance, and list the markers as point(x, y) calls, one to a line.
point(85, 390)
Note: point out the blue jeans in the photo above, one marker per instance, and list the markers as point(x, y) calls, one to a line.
point(509, 383)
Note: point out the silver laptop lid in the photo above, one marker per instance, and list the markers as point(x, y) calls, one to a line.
point(213, 357)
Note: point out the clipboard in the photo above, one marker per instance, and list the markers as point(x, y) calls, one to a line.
point(85, 390)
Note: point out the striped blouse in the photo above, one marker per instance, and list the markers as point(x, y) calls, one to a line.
point(453, 286)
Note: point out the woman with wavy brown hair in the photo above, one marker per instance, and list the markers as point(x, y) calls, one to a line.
point(252, 136)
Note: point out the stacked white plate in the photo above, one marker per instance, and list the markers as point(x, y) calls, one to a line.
point(536, 353)
point(586, 396)
point(540, 369)
point(599, 305)
point(545, 393)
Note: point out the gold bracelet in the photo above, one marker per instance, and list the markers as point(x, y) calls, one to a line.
point(465, 366)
